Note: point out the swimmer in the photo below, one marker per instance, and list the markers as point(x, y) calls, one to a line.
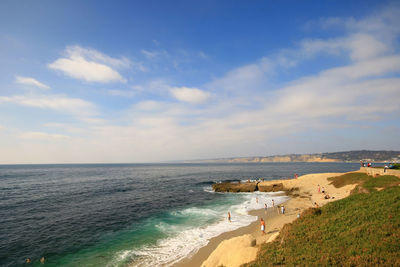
point(42, 260)
point(229, 216)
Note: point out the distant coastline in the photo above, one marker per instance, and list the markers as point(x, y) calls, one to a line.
point(346, 156)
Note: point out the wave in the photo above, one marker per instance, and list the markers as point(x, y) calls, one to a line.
point(202, 224)
point(218, 181)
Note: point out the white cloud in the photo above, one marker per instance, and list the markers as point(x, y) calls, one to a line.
point(42, 136)
point(364, 46)
point(64, 127)
point(245, 78)
point(190, 95)
point(61, 103)
point(89, 65)
point(94, 55)
point(31, 82)
point(359, 46)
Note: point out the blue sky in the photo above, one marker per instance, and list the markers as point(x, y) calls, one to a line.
point(149, 81)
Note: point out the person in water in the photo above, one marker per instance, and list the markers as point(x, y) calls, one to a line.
point(262, 226)
point(229, 216)
point(42, 260)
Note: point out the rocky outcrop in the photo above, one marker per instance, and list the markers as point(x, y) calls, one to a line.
point(235, 187)
point(270, 187)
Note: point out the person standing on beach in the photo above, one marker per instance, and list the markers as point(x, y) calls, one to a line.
point(229, 216)
point(265, 207)
point(262, 226)
point(273, 203)
point(319, 189)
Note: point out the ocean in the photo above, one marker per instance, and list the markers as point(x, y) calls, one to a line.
point(127, 214)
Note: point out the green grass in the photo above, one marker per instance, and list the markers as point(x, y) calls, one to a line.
point(360, 230)
point(349, 178)
point(383, 181)
point(365, 182)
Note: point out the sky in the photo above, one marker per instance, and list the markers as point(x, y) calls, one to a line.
point(158, 81)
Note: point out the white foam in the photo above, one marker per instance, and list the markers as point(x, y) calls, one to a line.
point(188, 240)
point(208, 189)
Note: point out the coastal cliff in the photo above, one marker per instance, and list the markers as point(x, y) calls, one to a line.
point(346, 156)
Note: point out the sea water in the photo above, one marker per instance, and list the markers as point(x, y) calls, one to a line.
point(127, 214)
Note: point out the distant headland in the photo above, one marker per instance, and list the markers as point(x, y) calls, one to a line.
point(346, 156)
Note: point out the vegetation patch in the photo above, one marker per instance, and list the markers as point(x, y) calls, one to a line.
point(383, 181)
point(349, 178)
point(360, 230)
point(365, 182)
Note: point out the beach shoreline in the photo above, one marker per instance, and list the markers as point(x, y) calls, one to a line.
point(202, 254)
point(241, 245)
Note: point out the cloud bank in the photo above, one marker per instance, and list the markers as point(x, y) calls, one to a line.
point(290, 101)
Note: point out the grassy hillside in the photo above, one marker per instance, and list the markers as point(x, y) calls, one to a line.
point(360, 230)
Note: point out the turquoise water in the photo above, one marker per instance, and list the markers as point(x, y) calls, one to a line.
point(128, 214)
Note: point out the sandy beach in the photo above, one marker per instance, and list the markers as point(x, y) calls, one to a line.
point(241, 246)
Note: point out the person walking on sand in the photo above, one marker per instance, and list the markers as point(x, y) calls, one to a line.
point(265, 207)
point(262, 226)
point(229, 216)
